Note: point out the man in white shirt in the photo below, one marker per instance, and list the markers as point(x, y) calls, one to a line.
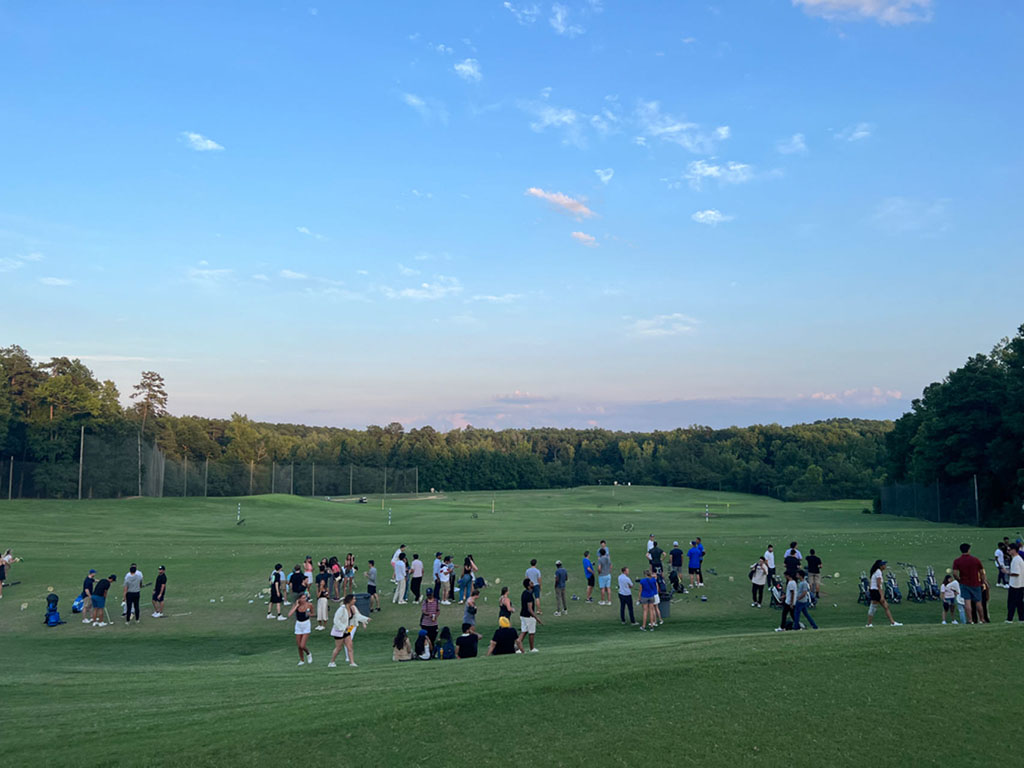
point(796, 552)
point(394, 559)
point(1000, 557)
point(400, 571)
point(650, 543)
point(533, 574)
point(132, 593)
point(769, 558)
point(1015, 597)
point(626, 596)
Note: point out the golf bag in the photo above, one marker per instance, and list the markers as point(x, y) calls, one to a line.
point(673, 578)
point(915, 591)
point(77, 604)
point(865, 589)
point(778, 593)
point(52, 618)
point(892, 589)
point(479, 583)
point(931, 586)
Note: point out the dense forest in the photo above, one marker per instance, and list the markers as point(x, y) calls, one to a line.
point(970, 423)
point(43, 407)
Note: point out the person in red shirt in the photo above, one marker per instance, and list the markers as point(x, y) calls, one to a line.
point(969, 571)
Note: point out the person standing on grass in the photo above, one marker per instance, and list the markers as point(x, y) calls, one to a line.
point(561, 577)
point(505, 605)
point(6, 563)
point(788, 603)
point(651, 544)
point(969, 571)
point(528, 620)
point(429, 612)
point(469, 613)
point(276, 593)
point(298, 583)
point(132, 593)
point(951, 600)
point(401, 648)
point(803, 601)
point(648, 591)
point(466, 579)
point(1015, 595)
point(700, 568)
point(323, 610)
point(371, 586)
point(676, 559)
point(533, 574)
point(796, 552)
point(399, 580)
point(769, 559)
point(1001, 556)
point(336, 576)
point(416, 569)
point(437, 575)
point(394, 559)
point(626, 596)
point(588, 574)
point(604, 575)
point(814, 574)
point(159, 593)
point(505, 641)
point(307, 571)
point(876, 591)
point(99, 600)
point(758, 578)
point(445, 575)
point(791, 562)
point(87, 586)
point(654, 554)
point(467, 643)
point(693, 564)
point(604, 545)
point(302, 610)
point(346, 619)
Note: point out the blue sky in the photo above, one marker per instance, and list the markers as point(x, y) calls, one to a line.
point(632, 215)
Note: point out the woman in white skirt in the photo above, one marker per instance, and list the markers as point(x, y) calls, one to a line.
point(346, 620)
point(302, 609)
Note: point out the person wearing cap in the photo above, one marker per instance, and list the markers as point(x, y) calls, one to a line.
point(159, 592)
point(429, 612)
point(87, 585)
point(876, 591)
point(528, 620)
point(676, 558)
point(561, 577)
point(423, 650)
point(1015, 595)
point(99, 600)
point(505, 640)
point(970, 572)
point(132, 593)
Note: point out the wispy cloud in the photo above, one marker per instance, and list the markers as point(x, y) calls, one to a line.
point(260, 277)
point(288, 274)
point(441, 288)
point(887, 12)
point(469, 70)
point(657, 124)
point(675, 324)
point(505, 298)
point(872, 396)
point(902, 215)
point(794, 145)
point(306, 231)
point(857, 132)
point(204, 277)
point(559, 21)
point(200, 143)
point(442, 48)
point(582, 237)
point(604, 174)
point(407, 271)
point(521, 398)
point(55, 281)
point(428, 109)
point(11, 263)
point(566, 204)
point(727, 173)
point(526, 14)
point(711, 217)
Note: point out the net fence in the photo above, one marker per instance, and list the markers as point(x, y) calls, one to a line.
point(936, 502)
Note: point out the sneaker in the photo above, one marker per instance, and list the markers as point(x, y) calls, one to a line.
point(270, 615)
point(534, 650)
point(400, 602)
point(954, 621)
point(1007, 621)
point(895, 624)
point(758, 605)
point(943, 621)
point(332, 665)
point(301, 664)
point(753, 605)
point(282, 618)
point(779, 629)
point(633, 623)
point(590, 599)
point(643, 629)
point(87, 621)
point(557, 613)
point(352, 664)
point(701, 584)
point(309, 657)
point(660, 622)
point(623, 623)
point(101, 624)
point(286, 603)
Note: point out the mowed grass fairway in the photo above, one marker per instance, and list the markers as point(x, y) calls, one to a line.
point(713, 686)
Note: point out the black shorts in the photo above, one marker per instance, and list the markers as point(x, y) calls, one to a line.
point(275, 599)
point(875, 595)
point(157, 598)
point(371, 589)
point(590, 580)
point(3, 572)
point(693, 570)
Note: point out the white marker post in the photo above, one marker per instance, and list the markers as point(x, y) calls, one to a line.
point(389, 515)
point(238, 517)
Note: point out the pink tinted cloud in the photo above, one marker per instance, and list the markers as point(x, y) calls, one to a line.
point(572, 206)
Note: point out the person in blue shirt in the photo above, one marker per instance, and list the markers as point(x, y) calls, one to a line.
point(588, 573)
point(693, 555)
point(648, 591)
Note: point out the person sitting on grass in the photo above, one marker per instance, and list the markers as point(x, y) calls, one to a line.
point(422, 651)
point(445, 646)
point(505, 640)
point(466, 643)
point(401, 648)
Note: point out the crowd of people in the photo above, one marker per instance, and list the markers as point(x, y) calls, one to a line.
point(96, 592)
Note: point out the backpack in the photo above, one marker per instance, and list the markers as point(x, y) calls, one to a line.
point(446, 651)
point(77, 604)
point(53, 618)
point(750, 573)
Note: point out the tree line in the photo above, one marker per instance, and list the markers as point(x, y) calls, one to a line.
point(969, 424)
point(44, 405)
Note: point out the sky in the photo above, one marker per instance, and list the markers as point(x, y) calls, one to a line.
point(631, 215)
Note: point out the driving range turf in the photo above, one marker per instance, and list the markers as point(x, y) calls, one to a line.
point(215, 683)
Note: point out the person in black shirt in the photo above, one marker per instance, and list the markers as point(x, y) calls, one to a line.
point(87, 586)
point(99, 600)
point(505, 641)
point(528, 620)
point(654, 554)
point(298, 582)
point(792, 563)
point(276, 593)
point(677, 558)
point(466, 643)
point(159, 592)
point(814, 574)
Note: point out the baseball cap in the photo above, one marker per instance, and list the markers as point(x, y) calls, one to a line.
point(92, 570)
point(675, 543)
point(162, 568)
point(558, 562)
point(883, 562)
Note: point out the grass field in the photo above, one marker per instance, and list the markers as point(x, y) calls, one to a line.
point(715, 686)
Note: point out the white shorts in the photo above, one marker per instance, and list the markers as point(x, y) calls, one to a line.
point(528, 626)
point(321, 609)
point(302, 627)
point(657, 599)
